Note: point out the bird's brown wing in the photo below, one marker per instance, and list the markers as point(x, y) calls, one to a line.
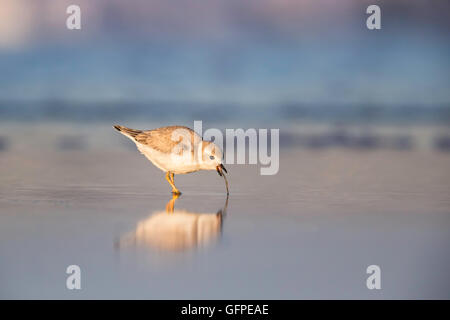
point(166, 139)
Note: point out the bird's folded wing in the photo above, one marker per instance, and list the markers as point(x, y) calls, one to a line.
point(168, 140)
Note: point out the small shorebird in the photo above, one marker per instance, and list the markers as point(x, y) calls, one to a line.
point(177, 150)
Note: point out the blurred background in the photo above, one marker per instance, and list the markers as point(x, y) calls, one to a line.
point(275, 61)
point(364, 119)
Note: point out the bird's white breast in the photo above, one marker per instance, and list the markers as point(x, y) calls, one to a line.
point(177, 164)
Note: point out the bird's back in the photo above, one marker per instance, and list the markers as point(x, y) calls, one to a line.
point(163, 139)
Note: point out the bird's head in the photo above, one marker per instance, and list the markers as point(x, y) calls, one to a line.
point(212, 159)
point(212, 156)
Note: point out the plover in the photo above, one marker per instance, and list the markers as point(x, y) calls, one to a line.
point(177, 150)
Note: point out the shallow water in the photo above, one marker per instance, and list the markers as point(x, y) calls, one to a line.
point(308, 232)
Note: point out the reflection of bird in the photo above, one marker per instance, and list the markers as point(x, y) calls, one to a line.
point(176, 150)
point(176, 230)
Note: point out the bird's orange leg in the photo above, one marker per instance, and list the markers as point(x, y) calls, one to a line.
point(170, 179)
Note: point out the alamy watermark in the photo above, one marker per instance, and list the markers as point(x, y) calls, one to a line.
point(250, 146)
point(373, 22)
point(73, 281)
point(374, 280)
point(73, 21)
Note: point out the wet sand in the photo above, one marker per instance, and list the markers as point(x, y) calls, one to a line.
point(308, 232)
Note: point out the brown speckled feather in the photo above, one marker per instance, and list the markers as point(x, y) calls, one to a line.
point(161, 139)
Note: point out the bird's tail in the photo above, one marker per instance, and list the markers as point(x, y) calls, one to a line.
point(127, 131)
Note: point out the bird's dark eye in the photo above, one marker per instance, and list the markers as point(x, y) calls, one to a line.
point(211, 157)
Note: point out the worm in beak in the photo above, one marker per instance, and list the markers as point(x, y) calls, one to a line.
point(219, 169)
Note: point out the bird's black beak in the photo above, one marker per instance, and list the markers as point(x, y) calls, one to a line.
point(219, 169)
point(223, 168)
